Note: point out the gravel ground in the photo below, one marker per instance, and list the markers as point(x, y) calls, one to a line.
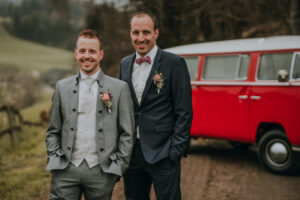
point(216, 171)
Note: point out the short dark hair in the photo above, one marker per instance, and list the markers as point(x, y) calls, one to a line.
point(147, 13)
point(89, 33)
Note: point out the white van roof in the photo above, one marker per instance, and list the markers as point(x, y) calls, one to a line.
point(240, 45)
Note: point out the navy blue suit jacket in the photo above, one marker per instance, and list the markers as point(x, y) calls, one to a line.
point(164, 118)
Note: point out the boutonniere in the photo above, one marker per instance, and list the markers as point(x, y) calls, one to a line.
point(106, 98)
point(158, 81)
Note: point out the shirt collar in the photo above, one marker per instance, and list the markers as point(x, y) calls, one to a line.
point(151, 53)
point(94, 76)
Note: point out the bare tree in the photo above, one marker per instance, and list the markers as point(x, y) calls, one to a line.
point(295, 17)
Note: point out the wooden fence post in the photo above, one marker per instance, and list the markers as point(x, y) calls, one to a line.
point(11, 126)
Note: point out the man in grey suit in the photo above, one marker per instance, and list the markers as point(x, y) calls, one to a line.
point(90, 137)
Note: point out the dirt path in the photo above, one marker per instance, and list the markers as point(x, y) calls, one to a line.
point(216, 171)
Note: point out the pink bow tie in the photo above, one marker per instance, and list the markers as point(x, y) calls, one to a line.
point(143, 59)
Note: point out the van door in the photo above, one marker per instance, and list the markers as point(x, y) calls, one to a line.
point(222, 98)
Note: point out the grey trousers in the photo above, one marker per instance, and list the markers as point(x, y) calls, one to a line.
point(72, 182)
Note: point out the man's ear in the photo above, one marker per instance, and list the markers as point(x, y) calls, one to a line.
point(156, 32)
point(75, 52)
point(101, 54)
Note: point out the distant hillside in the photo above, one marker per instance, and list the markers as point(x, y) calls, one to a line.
point(27, 55)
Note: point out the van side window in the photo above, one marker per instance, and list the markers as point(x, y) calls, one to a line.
point(243, 67)
point(296, 70)
point(192, 64)
point(231, 67)
point(270, 64)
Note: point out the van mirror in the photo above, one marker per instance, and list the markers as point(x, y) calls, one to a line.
point(282, 75)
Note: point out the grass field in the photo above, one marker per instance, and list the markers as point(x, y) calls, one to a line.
point(23, 174)
point(28, 55)
point(22, 169)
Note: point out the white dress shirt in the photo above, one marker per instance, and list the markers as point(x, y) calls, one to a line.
point(140, 74)
point(85, 146)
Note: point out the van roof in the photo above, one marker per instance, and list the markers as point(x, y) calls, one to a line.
point(239, 45)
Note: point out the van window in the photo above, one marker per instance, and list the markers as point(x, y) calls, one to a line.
point(244, 65)
point(296, 70)
point(231, 67)
point(192, 64)
point(270, 64)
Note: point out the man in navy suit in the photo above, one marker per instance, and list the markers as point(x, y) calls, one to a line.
point(160, 88)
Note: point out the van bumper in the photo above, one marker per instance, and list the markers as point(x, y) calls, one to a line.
point(296, 148)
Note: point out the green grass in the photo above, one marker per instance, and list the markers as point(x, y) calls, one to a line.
point(22, 169)
point(28, 55)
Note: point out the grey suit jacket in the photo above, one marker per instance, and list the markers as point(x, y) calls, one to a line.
point(115, 130)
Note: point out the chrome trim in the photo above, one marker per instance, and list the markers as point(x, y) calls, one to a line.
point(278, 152)
point(235, 83)
point(295, 84)
point(219, 83)
point(257, 67)
point(292, 66)
point(255, 97)
point(243, 97)
point(270, 83)
point(296, 148)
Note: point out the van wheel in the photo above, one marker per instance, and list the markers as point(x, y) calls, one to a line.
point(240, 145)
point(276, 154)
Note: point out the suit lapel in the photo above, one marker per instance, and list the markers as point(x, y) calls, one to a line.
point(74, 95)
point(154, 69)
point(130, 64)
point(100, 109)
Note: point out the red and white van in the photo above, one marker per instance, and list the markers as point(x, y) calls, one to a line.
point(247, 91)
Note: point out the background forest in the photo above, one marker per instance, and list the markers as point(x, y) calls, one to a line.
point(57, 22)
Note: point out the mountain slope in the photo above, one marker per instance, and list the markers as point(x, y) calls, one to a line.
point(28, 55)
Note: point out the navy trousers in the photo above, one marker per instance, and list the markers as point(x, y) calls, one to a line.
point(164, 175)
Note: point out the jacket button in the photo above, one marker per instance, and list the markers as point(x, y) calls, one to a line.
point(74, 91)
point(72, 129)
point(100, 111)
point(69, 148)
point(74, 109)
point(101, 149)
point(100, 130)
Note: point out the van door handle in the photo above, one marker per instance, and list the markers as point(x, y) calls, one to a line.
point(255, 97)
point(243, 97)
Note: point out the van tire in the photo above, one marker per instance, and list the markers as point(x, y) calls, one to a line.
point(281, 163)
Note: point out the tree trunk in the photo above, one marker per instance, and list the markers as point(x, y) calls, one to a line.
point(295, 17)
